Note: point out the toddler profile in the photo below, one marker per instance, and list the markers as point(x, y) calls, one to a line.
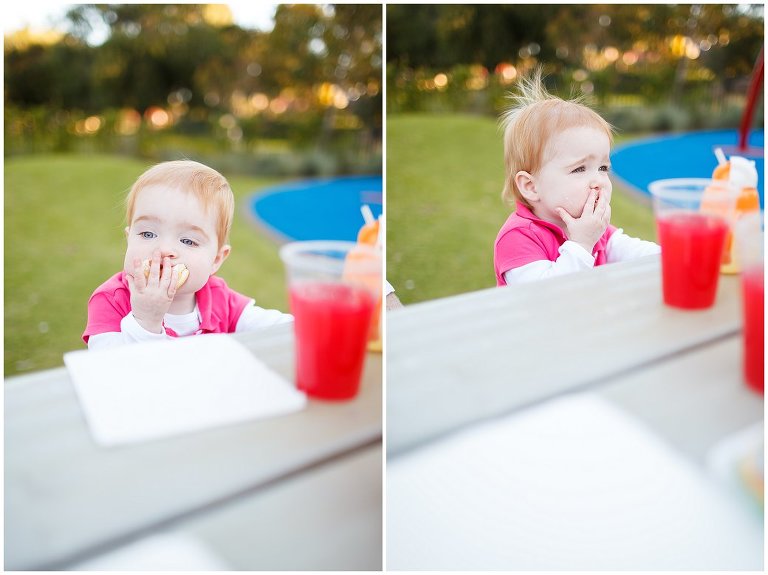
point(557, 162)
point(178, 212)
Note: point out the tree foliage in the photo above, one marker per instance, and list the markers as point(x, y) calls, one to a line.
point(155, 52)
point(452, 34)
point(695, 59)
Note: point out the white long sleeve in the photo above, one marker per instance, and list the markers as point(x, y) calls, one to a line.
point(622, 247)
point(573, 258)
point(130, 332)
point(252, 318)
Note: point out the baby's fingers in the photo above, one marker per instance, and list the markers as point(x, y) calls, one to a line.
point(565, 216)
point(593, 207)
point(132, 287)
point(138, 272)
point(601, 205)
point(165, 271)
point(153, 278)
point(174, 281)
point(589, 205)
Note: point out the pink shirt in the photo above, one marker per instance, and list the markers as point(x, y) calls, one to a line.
point(524, 239)
point(219, 306)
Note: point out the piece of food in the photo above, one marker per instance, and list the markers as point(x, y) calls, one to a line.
point(182, 269)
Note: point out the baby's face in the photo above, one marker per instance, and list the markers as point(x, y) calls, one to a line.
point(575, 161)
point(175, 223)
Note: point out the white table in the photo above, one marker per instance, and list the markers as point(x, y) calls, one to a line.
point(245, 491)
point(458, 360)
point(464, 361)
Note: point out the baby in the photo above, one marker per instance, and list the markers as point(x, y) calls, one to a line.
point(557, 156)
point(178, 212)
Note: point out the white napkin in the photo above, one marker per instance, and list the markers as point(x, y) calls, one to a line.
point(163, 552)
point(575, 484)
point(151, 390)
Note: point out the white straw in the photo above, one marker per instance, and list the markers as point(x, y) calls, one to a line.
point(367, 214)
point(721, 159)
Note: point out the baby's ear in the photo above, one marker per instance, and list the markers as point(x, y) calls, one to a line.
point(127, 229)
point(527, 186)
point(221, 255)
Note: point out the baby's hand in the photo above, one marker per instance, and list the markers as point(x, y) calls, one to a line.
point(152, 296)
point(591, 225)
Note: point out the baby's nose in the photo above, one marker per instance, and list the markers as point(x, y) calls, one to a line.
point(598, 181)
point(168, 251)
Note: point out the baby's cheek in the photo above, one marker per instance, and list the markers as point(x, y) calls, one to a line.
point(130, 255)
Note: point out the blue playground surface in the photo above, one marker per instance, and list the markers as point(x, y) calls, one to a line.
point(319, 209)
point(687, 155)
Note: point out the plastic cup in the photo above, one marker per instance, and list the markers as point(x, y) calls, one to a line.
point(333, 289)
point(693, 217)
point(749, 246)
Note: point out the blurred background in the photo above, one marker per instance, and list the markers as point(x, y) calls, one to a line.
point(98, 93)
point(648, 69)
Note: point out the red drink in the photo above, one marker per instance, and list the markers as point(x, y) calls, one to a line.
point(691, 251)
point(753, 290)
point(331, 325)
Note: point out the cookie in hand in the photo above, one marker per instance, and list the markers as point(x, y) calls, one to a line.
point(183, 272)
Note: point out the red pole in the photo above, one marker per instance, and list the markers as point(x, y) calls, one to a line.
point(754, 89)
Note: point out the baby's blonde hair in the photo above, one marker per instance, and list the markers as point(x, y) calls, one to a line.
point(530, 123)
point(205, 183)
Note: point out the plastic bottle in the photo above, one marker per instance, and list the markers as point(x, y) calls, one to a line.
point(742, 175)
point(369, 235)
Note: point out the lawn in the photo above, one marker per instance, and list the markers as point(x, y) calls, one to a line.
point(64, 221)
point(444, 177)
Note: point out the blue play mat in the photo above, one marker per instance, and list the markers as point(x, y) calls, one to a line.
point(688, 155)
point(322, 209)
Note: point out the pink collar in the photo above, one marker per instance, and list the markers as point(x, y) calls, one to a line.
point(525, 212)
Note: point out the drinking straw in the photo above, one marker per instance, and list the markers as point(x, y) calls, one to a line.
point(721, 159)
point(367, 214)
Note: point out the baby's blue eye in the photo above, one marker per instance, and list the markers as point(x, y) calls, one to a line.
point(605, 168)
point(147, 235)
point(188, 242)
point(579, 169)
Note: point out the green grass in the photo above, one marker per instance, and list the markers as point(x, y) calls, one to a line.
point(64, 221)
point(444, 179)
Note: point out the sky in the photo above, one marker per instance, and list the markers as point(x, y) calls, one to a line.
point(44, 14)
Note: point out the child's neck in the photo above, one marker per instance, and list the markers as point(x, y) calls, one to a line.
point(182, 303)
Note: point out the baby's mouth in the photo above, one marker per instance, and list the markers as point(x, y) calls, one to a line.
point(183, 271)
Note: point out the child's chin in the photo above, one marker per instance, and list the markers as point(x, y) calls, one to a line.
point(189, 287)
